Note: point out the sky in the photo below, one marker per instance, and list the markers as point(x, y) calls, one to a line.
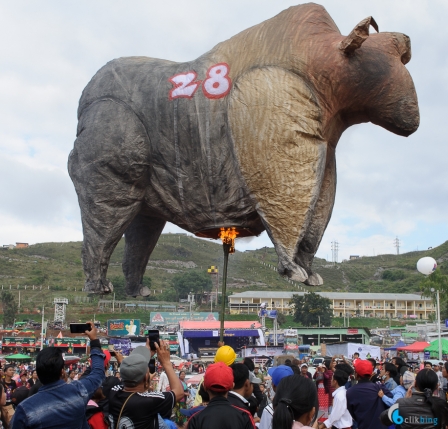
point(388, 186)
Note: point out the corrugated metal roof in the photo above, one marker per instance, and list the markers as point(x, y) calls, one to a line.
point(332, 295)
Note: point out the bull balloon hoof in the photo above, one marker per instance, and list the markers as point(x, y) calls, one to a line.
point(99, 287)
point(314, 280)
point(144, 291)
point(292, 271)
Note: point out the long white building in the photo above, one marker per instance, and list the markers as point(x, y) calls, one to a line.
point(383, 305)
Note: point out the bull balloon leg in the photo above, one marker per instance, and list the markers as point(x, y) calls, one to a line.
point(102, 149)
point(322, 214)
point(282, 154)
point(141, 238)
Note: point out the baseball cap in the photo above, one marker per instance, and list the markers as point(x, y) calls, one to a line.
point(134, 367)
point(363, 367)
point(143, 351)
point(107, 358)
point(218, 377)
point(408, 379)
point(253, 378)
point(303, 364)
point(280, 372)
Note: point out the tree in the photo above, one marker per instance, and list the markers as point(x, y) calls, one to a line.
point(196, 282)
point(9, 308)
point(309, 307)
point(437, 281)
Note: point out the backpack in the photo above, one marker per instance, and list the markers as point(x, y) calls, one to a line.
point(96, 418)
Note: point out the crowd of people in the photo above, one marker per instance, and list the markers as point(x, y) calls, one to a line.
point(341, 393)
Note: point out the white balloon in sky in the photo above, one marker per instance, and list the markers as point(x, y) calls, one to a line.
point(426, 265)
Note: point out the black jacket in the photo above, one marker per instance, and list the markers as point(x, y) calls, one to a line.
point(235, 400)
point(416, 407)
point(221, 414)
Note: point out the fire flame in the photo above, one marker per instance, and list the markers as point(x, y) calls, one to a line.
point(228, 237)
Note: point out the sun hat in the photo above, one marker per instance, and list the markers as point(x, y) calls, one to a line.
point(218, 377)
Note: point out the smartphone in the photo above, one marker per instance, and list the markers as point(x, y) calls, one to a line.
point(152, 366)
point(80, 328)
point(153, 335)
point(320, 413)
point(111, 350)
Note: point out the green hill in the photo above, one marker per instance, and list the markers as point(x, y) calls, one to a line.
point(47, 270)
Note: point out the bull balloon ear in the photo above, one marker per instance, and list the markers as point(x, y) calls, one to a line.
point(358, 36)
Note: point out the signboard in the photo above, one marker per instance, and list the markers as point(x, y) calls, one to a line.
point(280, 338)
point(19, 342)
point(123, 327)
point(446, 323)
point(291, 343)
point(365, 351)
point(123, 345)
point(262, 351)
point(71, 343)
point(427, 355)
point(272, 314)
point(290, 332)
point(352, 331)
point(166, 318)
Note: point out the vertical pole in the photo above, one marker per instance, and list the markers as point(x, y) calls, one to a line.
point(42, 330)
point(438, 326)
point(113, 304)
point(226, 248)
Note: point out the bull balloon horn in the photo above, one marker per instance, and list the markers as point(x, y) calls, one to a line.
point(228, 244)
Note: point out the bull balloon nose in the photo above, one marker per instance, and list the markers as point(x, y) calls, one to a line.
point(407, 118)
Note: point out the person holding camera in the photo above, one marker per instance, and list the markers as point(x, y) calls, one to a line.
point(131, 404)
point(58, 404)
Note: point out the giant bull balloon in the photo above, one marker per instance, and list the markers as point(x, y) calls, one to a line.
point(244, 136)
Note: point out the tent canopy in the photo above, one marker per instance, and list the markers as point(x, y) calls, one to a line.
point(18, 356)
point(418, 346)
point(399, 344)
point(434, 346)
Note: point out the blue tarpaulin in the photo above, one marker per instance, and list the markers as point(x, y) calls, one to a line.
point(399, 344)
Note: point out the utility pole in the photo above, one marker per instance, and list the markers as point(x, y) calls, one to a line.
point(397, 245)
point(334, 251)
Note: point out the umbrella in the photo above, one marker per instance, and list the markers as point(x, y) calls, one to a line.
point(18, 356)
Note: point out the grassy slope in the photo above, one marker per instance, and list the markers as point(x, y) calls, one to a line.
point(57, 268)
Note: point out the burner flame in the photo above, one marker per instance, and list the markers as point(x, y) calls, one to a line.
point(228, 237)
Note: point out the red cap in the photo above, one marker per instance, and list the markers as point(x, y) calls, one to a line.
point(218, 377)
point(107, 359)
point(363, 367)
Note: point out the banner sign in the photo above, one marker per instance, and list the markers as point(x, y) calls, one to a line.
point(262, 351)
point(69, 342)
point(290, 332)
point(166, 318)
point(291, 343)
point(19, 342)
point(123, 327)
point(352, 331)
point(123, 345)
point(280, 338)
